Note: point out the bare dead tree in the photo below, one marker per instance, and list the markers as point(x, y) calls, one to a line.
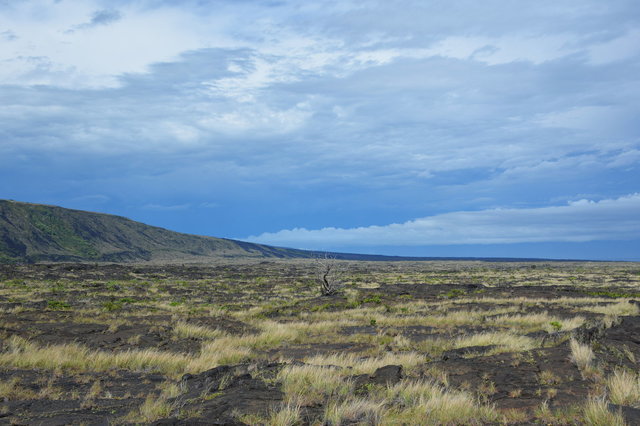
point(328, 274)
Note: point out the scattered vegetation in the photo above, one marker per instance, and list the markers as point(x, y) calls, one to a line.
point(392, 343)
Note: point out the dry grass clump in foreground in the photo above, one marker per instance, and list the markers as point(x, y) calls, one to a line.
point(287, 415)
point(596, 413)
point(155, 407)
point(624, 388)
point(355, 410)
point(309, 384)
point(407, 402)
point(422, 402)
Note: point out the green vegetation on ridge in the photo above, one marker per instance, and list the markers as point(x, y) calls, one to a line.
point(36, 233)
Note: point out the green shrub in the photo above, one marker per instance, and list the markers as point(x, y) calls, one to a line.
point(374, 298)
point(58, 305)
point(456, 292)
point(557, 326)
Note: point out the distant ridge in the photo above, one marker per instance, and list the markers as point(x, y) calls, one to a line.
point(41, 233)
point(31, 233)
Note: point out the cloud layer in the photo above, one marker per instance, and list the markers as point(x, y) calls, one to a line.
point(340, 114)
point(579, 221)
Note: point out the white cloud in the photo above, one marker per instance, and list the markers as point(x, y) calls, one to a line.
point(161, 207)
point(618, 49)
point(413, 110)
point(501, 50)
point(603, 120)
point(577, 221)
point(80, 44)
point(256, 117)
point(71, 44)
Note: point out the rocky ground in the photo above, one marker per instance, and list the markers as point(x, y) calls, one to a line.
point(256, 343)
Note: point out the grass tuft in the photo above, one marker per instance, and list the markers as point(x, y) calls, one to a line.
point(287, 415)
point(596, 413)
point(185, 330)
point(624, 388)
point(310, 384)
point(355, 411)
point(358, 365)
point(423, 402)
point(582, 355)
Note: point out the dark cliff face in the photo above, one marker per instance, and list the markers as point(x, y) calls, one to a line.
point(41, 233)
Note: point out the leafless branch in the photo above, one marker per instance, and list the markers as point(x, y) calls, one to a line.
point(328, 274)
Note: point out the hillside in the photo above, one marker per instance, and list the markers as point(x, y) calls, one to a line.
point(41, 233)
point(32, 233)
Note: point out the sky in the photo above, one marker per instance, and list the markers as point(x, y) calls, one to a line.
point(499, 128)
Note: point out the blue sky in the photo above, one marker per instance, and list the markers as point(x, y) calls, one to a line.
point(494, 128)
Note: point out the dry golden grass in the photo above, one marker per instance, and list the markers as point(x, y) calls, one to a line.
point(309, 384)
point(158, 406)
point(624, 388)
point(13, 390)
point(506, 342)
point(185, 330)
point(287, 415)
point(272, 333)
point(358, 365)
point(618, 308)
point(24, 354)
point(596, 413)
point(356, 410)
point(538, 321)
point(582, 355)
point(421, 402)
point(581, 303)
point(548, 378)
point(153, 408)
point(218, 352)
point(413, 314)
point(408, 402)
